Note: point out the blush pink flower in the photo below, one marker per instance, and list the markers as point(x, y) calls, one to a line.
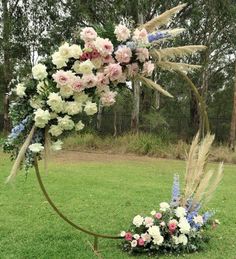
point(142, 54)
point(172, 225)
point(85, 56)
point(102, 80)
point(63, 77)
point(128, 236)
point(113, 71)
point(158, 215)
point(148, 221)
point(133, 69)
point(108, 59)
point(78, 85)
point(122, 32)
point(88, 34)
point(141, 242)
point(148, 68)
point(140, 36)
point(89, 81)
point(95, 53)
point(123, 54)
point(108, 98)
point(104, 46)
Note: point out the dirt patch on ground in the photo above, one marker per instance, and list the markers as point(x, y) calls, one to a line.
point(76, 156)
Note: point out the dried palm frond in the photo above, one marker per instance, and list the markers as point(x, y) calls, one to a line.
point(162, 19)
point(173, 66)
point(21, 156)
point(153, 85)
point(200, 184)
point(179, 51)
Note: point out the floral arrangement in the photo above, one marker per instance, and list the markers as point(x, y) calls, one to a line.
point(51, 101)
point(179, 226)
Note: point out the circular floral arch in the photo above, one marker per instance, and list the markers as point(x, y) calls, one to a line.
point(50, 102)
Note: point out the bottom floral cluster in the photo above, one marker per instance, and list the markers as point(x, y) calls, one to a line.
point(168, 230)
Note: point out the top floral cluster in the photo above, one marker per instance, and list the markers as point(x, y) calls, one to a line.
point(69, 83)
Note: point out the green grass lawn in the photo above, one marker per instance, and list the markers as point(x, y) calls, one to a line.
point(101, 196)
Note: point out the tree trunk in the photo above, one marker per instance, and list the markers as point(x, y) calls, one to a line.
point(135, 112)
point(7, 72)
point(233, 120)
point(99, 117)
point(115, 123)
point(136, 85)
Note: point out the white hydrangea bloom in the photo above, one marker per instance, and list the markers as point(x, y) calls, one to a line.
point(36, 147)
point(75, 51)
point(164, 206)
point(72, 108)
point(180, 212)
point(79, 126)
point(65, 123)
point(55, 102)
point(55, 130)
point(58, 60)
point(56, 146)
point(41, 117)
point(184, 226)
point(90, 108)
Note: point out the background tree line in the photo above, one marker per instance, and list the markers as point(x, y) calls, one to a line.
point(32, 28)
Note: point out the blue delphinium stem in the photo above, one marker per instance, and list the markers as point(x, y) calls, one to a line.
point(175, 192)
point(15, 132)
point(158, 36)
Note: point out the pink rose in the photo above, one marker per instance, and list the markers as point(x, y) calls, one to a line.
point(128, 236)
point(172, 225)
point(78, 85)
point(133, 69)
point(88, 34)
point(104, 46)
point(142, 54)
point(140, 36)
point(141, 242)
point(113, 71)
point(95, 54)
point(63, 77)
point(148, 68)
point(108, 59)
point(108, 98)
point(89, 81)
point(122, 32)
point(85, 56)
point(123, 54)
point(158, 215)
point(102, 80)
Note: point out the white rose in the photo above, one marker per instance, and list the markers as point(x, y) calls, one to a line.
point(59, 60)
point(64, 50)
point(122, 233)
point(138, 221)
point(55, 130)
point(39, 72)
point(154, 231)
point(79, 126)
point(97, 62)
point(76, 66)
point(136, 236)
point(80, 97)
point(153, 212)
point(184, 226)
point(66, 91)
point(134, 243)
point(198, 220)
point(41, 118)
point(180, 212)
point(90, 108)
point(75, 51)
point(55, 102)
point(36, 147)
point(56, 146)
point(86, 67)
point(20, 90)
point(148, 221)
point(164, 206)
point(65, 123)
point(36, 103)
point(183, 239)
point(158, 240)
point(72, 108)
